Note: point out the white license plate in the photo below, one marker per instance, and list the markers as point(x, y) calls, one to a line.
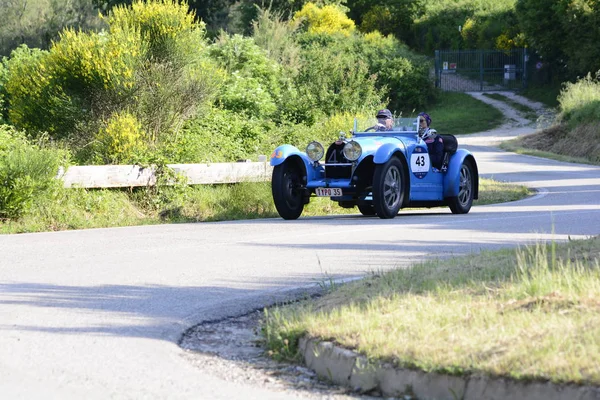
point(328, 192)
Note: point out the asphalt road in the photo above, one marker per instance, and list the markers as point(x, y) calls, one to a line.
point(98, 313)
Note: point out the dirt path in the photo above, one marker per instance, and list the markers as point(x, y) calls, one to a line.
point(516, 124)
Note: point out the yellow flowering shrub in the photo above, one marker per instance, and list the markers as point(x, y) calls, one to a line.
point(82, 75)
point(97, 60)
point(469, 33)
point(329, 19)
point(163, 24)
point(119, 140)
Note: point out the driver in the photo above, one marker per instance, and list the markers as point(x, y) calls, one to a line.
point(385, 121)
point(435, 143)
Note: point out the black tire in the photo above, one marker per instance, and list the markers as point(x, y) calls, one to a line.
point(462, 203)
point(388, 190)
point(286, 187)
point(367, 210)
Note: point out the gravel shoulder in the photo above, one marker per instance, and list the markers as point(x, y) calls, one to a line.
point(230, 350)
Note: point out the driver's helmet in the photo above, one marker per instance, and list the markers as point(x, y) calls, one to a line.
point(384, 114)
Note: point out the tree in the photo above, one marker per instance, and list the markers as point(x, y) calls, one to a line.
point(36, 22)
point(388, 17)
point(543, 29)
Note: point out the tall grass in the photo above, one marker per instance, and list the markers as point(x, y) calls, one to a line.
point(580, 101)
point(575, 137)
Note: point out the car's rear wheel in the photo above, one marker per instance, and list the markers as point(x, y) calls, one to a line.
point(388, 192)
point(462, 203)
point(367, 209)
point(286, 187)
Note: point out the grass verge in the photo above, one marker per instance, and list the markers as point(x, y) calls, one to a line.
point(84, 209)
point(546, 94)
point(458, 113)
point(527, 314)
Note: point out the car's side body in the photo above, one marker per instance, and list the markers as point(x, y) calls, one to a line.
point(391, 161)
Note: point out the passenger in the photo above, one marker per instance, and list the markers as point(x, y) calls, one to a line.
point(435, 143)
point(385, 121)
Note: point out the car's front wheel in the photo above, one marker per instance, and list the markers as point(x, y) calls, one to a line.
point(462, 203)
point(388, 192)
point(286, 187)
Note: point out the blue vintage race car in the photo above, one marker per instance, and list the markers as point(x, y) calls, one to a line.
point(378, 172)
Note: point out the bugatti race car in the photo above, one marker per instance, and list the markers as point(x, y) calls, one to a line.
point(378, 172)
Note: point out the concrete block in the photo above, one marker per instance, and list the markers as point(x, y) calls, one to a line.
point(329, 361)
point(396, 382)
point(364, 375)
point(483, 388)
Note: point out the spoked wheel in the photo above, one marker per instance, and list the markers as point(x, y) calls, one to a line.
point(286, 186)
point(388, 193)
point(367, 209)
point(462, 203)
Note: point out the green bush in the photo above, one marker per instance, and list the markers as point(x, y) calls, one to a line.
point(221, 135)
point(580, 101)
point(334, 77)
point(383, 69)
point(26, 171)
point(277, 37)
point(403, 75)
point(253, 81)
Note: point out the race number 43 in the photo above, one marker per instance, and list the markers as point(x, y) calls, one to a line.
point(419, 162)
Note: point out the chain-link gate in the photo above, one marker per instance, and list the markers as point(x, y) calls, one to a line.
point(480, 70)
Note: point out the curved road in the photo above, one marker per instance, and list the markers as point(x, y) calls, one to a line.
point(98, 313)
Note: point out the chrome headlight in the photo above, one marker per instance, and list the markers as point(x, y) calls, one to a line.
point(315, 151)
point(352, 150)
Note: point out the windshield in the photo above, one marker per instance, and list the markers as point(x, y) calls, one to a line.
point(409, 124)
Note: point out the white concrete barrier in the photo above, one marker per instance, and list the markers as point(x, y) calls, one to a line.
point(111, 176)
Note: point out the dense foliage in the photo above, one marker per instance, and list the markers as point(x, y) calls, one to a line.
point(152, 88)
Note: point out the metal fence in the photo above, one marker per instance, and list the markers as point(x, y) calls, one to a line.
point(481, 70)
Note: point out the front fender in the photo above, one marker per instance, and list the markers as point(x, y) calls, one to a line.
point(287, 152)
point(452, 178)
point(281, 153)
point(385, 152)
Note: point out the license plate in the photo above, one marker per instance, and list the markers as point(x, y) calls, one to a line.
point(328, 192)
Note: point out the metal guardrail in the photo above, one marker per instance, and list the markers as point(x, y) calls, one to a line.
point(113, 176)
